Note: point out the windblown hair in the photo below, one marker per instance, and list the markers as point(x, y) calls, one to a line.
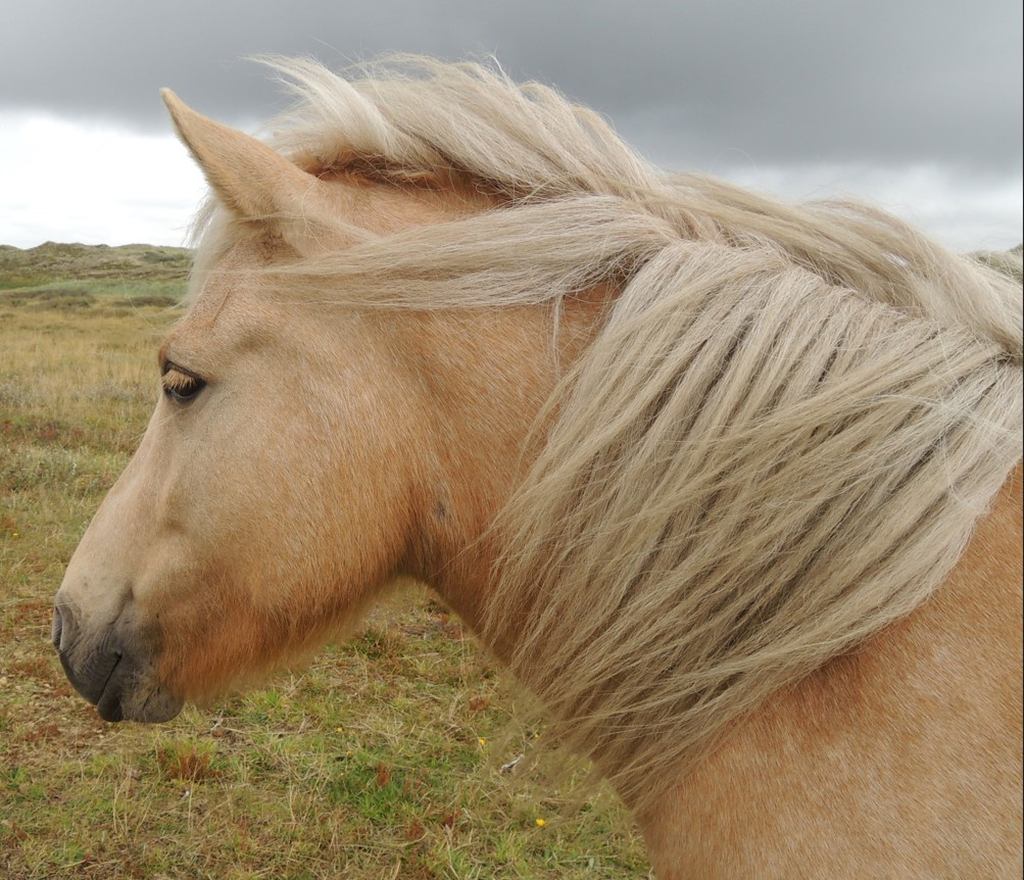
point(778, 442)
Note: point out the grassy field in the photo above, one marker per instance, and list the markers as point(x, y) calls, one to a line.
point(377, 761)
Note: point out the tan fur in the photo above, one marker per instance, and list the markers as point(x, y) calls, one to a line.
point(902, 759)
point(675, 451)
point(886, 402)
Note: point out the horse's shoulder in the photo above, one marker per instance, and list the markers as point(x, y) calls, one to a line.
point(874, 762)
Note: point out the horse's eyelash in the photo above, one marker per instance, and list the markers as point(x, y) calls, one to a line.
point(176, 380)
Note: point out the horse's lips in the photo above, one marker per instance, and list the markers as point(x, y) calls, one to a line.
point(120, 702)
point(121, 699)
point(109, 704)
point(107, 697)
point(116, 699)
point(84, 684)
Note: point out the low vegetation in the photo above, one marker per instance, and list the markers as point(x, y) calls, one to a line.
point(381, 759)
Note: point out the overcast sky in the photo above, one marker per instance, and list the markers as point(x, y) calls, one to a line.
point(916, 105)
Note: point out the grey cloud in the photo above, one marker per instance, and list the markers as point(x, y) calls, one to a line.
point(703, 82)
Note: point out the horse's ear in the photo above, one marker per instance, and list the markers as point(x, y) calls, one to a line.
point(250, 178)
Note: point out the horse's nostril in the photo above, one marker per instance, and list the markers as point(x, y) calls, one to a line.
point(65, 628)
point(56, 628)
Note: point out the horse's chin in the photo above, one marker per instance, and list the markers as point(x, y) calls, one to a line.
point(155, 708)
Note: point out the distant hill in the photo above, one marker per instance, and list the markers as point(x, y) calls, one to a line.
point(57, 262)
point(78, 276)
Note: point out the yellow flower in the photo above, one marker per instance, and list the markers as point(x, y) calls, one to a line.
point(540, 823)
point(481, 740)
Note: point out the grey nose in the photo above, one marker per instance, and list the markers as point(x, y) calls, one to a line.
point(112, 664)
point(65, 632)
point(89, 668)
point(58, 629)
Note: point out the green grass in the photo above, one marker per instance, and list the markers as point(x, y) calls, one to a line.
point(378, 760)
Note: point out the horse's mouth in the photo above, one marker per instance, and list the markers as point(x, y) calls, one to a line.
point(109, 703)
point(120, 683)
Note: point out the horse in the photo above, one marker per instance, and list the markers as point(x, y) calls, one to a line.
point(732, 486)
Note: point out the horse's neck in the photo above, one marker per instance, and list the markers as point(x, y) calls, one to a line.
point(480, 409)
point(902, 759)
point(859, 771)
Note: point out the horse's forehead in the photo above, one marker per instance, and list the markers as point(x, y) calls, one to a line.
point(226, 303)
point(235, 276)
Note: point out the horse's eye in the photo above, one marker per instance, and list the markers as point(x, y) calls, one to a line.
point(181, 387)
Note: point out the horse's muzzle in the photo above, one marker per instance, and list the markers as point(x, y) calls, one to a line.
point(111, 668)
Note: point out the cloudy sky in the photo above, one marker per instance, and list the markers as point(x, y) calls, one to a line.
point(912, 104)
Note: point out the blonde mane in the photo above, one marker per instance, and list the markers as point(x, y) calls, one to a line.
point(778, 442)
